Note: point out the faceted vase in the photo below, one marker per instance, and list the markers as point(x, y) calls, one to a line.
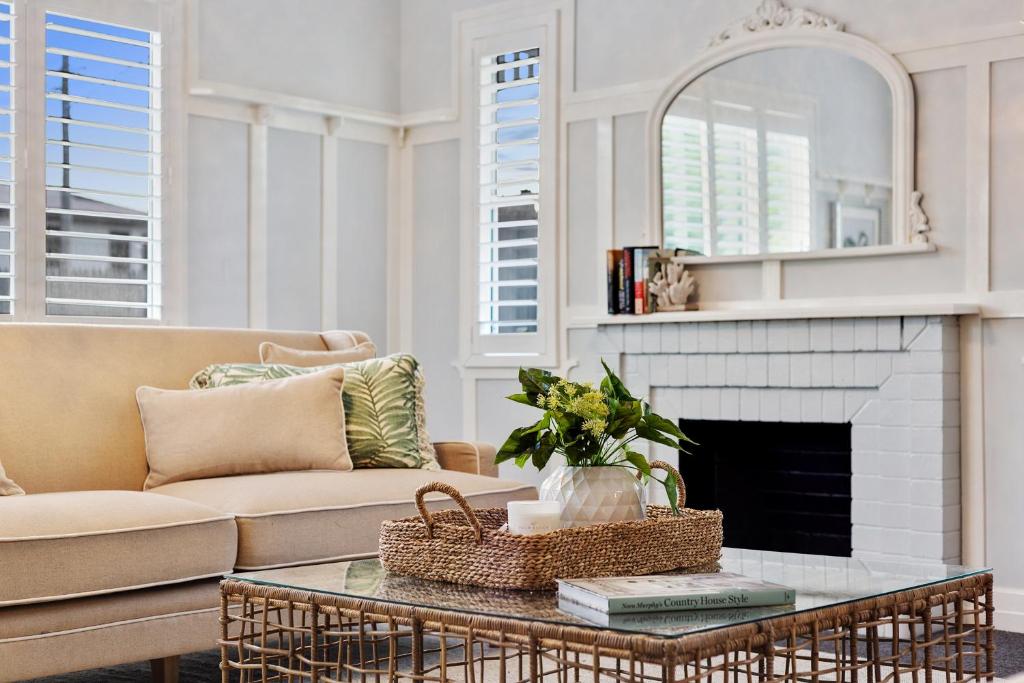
point(594, 495)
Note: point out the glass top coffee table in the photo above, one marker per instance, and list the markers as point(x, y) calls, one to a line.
point(852, 620)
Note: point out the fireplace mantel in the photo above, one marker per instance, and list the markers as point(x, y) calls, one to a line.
point(878, 308)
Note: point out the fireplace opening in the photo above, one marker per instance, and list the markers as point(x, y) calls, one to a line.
point(780, 486)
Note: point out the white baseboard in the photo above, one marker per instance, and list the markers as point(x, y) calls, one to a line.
point(1009, 609)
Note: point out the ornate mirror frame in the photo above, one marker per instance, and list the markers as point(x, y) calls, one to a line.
point(776, 25)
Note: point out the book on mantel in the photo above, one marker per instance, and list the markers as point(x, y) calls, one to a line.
point(672, 592)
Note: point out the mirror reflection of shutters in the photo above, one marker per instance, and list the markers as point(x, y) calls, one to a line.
point(509, 184)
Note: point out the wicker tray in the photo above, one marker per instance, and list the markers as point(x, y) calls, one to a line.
point(469, 547)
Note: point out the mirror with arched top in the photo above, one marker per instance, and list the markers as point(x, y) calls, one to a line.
point(787, 135)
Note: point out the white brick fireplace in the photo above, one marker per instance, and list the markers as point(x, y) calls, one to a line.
point(895, 379)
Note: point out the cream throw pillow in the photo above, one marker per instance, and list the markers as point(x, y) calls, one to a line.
point(290, 424)
point(8, 487)
point(275, 354)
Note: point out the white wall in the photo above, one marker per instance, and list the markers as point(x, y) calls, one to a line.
point(967, 64)
point(327, 181)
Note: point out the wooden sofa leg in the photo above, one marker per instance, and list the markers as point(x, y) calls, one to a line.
point(165, 670)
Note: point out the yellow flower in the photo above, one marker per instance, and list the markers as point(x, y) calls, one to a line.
point(595, 426)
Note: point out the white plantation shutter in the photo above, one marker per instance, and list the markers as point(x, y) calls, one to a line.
point(736, 190)
point(736, 182)
point(686, 193)
point(788, 189)
point(103, 171)
point(7, 215)
point(509, 184)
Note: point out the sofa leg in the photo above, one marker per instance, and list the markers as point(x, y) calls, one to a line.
point(165, 670)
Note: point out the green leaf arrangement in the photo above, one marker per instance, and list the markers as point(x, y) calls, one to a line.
point(588, 426)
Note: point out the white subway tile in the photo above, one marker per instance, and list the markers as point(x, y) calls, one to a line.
point(711, 404)
point(883, 367)
point(634, 341)
point(810, 405)
point(670, 338)
point(897, 387)
point(859, 407)
point(799, 335)
point(800, 370)
point(832, 406)
point(758, 336)
point(689, 337)
point(677, 370)
point(658, 370)
point(935, 518)
point(820, 331)
point(935, 439)
point(912, 326)
point(651, 338)
point(864, 437)
point(771, 407)
point(842, 369)
point(613, 335)
point(821, 369)
point(894, 465)
point(736, 369)
point(865, 370)
point(730, 403)
point(778, 370)
point(727, 337)
point(893, 413)
point(697, 370)
point(865, 334)
point(935, 465)
point(757, 370)
point(896, 439)
point(842, 334)
point(744, 340)
point(691, 404)
point(667, 401)
point(930, 414)
point(707, 337)
point(778, 336)
point(789, 401)
point(889, 334)
point(750, 405)
point(716, 370)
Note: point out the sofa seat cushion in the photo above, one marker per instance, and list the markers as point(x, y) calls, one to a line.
point(56, 546)
point(290, 518)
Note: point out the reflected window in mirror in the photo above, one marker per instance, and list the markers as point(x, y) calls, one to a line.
point(784, 150)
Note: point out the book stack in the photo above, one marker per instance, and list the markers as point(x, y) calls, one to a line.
point(627, 270)
point(596, 600)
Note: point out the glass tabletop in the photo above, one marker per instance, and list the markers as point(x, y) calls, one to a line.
point(819, 581)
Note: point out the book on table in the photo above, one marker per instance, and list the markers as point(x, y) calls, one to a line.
point(688, 619)
point(672, 592)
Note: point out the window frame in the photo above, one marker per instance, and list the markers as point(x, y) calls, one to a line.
point(478, 39)
point(164, 17)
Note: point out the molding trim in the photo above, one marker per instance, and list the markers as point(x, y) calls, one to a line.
point(773, 14)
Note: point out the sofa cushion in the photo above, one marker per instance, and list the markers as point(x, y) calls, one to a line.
point(55, 546)
point(385, 415)
point(276, 354)
point(296, 423)
point(292, 518)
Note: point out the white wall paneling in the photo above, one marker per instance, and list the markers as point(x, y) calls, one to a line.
point(258, 292)
point(329, 255)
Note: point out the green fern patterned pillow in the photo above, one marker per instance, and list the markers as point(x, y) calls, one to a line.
point(385, 416)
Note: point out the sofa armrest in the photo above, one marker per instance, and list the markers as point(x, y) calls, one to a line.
point(467, 456)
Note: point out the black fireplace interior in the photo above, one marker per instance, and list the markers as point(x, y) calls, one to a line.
point(780, 486)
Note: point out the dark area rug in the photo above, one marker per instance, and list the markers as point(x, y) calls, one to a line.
point(203, 667)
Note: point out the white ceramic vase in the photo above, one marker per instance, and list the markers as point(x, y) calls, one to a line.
point(593, 495)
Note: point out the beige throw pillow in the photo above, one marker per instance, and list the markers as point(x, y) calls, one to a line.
point(275, 354)
point(295, 423)
point(8, 487)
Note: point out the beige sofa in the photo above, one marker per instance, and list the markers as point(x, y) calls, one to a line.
point(96, 572)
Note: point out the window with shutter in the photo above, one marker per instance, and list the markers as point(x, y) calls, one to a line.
point(103, 169)
point(7, 216)
point(509, 177)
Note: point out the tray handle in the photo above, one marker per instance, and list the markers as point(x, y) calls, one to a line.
point(662, 465)
point(453, 493)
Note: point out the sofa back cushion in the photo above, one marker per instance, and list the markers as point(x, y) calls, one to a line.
point(295, 423)
point(68, 416)
point(8, 487)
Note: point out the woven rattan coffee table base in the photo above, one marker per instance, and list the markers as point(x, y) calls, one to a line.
point(940, 633)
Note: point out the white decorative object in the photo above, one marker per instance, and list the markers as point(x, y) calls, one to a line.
point(672, 286)
point(919, 227)
point(528, 517)
point(595, 495)
point(776, 14)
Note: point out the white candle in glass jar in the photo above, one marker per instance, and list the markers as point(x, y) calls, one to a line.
point(527, 517)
